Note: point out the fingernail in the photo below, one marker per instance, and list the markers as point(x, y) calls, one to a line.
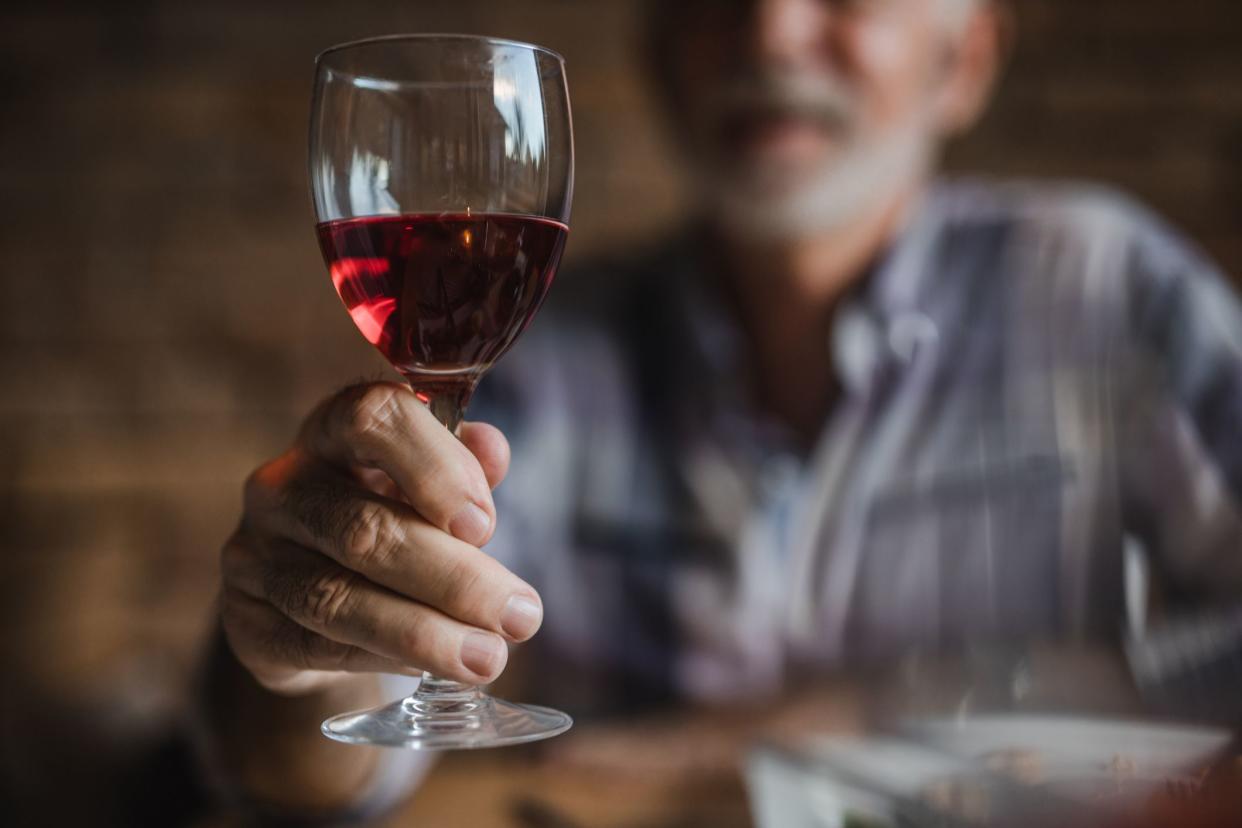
point(471, 525)
point(483, 654)
point(521, 617)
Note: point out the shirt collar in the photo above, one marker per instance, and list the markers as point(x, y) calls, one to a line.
point(887, 320)
point(891, 320)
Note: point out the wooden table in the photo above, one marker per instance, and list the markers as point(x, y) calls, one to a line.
point(520, 791)
point(686, 769)
point(679, 770)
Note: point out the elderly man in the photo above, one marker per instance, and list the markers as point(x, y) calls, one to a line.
point(848, 411)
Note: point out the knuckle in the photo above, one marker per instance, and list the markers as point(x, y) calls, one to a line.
point(463, 589)
point(329, 597)
point(371, 535)
point(374, 411)
point(320, 504)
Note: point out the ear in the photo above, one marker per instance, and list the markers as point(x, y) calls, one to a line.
point(972, 66)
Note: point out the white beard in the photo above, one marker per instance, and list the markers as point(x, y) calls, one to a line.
point(862, 177)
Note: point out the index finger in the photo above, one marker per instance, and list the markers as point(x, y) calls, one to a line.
point(385, 426)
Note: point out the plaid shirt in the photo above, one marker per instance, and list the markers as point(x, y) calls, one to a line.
point(1040, 430)
point(1042, 392)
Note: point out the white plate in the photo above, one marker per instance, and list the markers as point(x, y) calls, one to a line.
point(826, 780)
point(1077, 750)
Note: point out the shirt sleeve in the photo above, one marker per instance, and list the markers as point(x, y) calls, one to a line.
point(1181, 420)
point(1181, 461)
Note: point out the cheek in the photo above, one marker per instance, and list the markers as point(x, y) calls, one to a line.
point(890, 59)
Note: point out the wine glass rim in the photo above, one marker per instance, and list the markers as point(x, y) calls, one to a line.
point(433, 36)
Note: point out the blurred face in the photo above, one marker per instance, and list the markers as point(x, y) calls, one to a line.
point(797, 115)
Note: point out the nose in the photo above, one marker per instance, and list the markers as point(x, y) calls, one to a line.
point(788, 31)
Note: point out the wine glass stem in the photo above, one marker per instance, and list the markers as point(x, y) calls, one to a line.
point(447, 401)
point(434, 686)
point(448, 405)
point(444, 706)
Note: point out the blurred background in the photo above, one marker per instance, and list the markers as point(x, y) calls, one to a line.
point(165, 318)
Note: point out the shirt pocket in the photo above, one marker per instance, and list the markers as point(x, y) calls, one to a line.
point(961, 554)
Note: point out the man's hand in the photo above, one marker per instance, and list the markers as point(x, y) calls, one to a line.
point(358, 551)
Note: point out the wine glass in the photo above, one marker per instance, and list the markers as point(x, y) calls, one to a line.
point(441, 168)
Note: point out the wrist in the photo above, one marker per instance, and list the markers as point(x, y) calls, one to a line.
point(264, 749)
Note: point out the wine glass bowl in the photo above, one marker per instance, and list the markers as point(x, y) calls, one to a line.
point(441, 170)
point(442, 296)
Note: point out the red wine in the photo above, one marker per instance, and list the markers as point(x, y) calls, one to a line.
point(442, 295)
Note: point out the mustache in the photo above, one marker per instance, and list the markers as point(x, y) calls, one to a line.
point(784, 94)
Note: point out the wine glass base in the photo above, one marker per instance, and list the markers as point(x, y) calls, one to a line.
point(481, 722)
